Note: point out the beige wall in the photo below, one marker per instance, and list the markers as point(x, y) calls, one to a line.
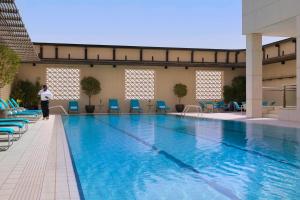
point(271, 52)
point(112, 82)
point(103, 53)
point(288, 48)
point(74, 52)
point(112, 79)
point(159, 54)
point(280, 74)
point(184, 56)
point(131, 54)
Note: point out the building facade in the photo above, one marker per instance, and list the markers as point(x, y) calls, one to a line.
point(109, 65)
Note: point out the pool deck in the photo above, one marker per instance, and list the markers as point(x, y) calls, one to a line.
point(238, 116)
point(38, 166)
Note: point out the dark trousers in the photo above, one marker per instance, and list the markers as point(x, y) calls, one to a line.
point(45, 108)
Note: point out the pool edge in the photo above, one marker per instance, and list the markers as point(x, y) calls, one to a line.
point(69, 153)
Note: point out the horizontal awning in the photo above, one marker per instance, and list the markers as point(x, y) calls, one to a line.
point(13, 33)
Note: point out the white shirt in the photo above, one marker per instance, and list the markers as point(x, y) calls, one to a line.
point(45, 95)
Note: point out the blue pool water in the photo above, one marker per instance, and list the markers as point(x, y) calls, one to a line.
point(168, 157)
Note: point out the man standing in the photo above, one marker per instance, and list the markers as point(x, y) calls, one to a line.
point(46, 95)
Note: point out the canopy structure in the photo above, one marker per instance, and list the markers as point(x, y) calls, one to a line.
point(13, 33)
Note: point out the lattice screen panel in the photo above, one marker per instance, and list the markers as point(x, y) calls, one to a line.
point(64, 83)
point(139, 84)
point(209, 85)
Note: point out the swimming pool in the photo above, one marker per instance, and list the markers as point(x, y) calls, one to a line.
point(169, 157)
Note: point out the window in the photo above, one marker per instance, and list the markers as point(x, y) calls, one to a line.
point(64, 83)
point(139, 84)
point(209, 85)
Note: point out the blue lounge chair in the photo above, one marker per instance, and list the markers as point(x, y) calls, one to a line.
point(24, 121)
point(14, 112)
point(219, 106)
point(135, 106)
point(202, 105)
point(236, 106)
point(113, 105)
point(73, 107)
point(9, 132)
point(17, 107)
point(161, 106)
point(265, 103)
point(21, 126)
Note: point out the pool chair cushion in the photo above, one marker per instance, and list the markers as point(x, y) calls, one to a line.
point(114, 107)
point(136, 107)
point(7, 130)
point(73, 107)
point(16, 124)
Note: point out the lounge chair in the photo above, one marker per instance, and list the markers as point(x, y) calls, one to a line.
point(9, 132)
point(73, 107)
point(12, 112)
point(265, 103)
point(202, 105)
point(113, 105)
point(16, 106)
point(21, 126)
point(236, 106)
point(243, 106)
point(18, 120)
point(135, 106)
point(219, 106)
point(161, 106)
point(26, 121)
point(207, 106)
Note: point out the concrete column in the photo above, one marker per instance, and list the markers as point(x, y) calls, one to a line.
point(298, 64)
point(254, 75)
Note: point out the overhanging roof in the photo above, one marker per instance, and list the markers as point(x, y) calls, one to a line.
point(13, 33)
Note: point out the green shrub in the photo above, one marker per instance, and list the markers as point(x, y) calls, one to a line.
point(9, 65)
point(90, 86)
point(237, 90)
point(26, 93)
point(180, 90)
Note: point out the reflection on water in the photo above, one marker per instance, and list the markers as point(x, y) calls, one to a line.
point(167, 157)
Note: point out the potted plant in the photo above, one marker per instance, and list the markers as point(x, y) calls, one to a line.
point(90, 87)
point(180, 90)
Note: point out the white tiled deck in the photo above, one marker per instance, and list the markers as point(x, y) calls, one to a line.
point(38, 166)
point(238, 116)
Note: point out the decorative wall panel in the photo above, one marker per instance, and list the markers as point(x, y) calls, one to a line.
point(139, 84)
point(64, 83)
point(209, 85)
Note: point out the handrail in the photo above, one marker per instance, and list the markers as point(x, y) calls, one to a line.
point(61, 107)
point(188, 107)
